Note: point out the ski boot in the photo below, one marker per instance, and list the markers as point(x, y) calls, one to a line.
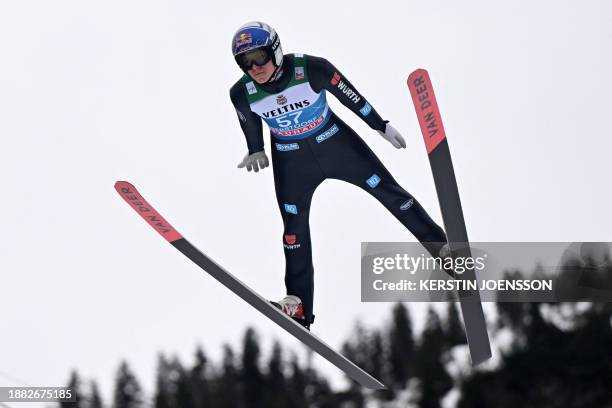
point(292, 306)
point(445, 251)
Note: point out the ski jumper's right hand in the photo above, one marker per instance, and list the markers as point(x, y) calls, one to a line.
point(254, 161)
point(393, 136)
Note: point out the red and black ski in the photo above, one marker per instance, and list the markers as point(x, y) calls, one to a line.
point(432, 128)
point(129, 193)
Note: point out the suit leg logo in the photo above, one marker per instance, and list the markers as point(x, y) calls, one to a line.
point(373, 181)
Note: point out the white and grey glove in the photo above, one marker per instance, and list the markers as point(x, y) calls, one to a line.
point(393, 136)
point(255, 161)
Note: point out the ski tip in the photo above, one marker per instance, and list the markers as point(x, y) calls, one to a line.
point(119, 185)
point(415, 74)
point(426, 107)
point(129, 193)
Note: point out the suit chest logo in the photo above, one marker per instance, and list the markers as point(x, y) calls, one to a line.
point(286, 108)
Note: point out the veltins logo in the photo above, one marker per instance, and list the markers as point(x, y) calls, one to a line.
point(373, 181)
point(291, 208)
point(281, 99)
point(407, 204)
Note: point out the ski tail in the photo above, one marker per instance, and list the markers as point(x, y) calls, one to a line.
point(436, 143)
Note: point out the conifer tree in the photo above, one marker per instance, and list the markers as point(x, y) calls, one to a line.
point(183, 393)
point(401, 347)
point(297, 385)
point(128, 393)
point(275, 381)
point(200, 381)
point(74, 384)
point(227, 384)
point(435, 381)
point(251, 375)
point(453, 328)
point(95, 400)
point(163, 384)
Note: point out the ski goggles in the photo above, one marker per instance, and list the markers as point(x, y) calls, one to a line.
point(259, 57)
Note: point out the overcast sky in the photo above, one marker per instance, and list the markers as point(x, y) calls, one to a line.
point(97, 91)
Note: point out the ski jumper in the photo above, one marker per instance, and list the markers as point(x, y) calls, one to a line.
point(311, 144)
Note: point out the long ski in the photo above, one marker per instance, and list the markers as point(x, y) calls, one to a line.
point(434, 135)
point(129, 193)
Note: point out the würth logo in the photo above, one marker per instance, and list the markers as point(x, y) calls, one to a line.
point(291, 241)
point(335, 79)
point(352, 95)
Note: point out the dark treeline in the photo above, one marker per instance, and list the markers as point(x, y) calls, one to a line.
point(545, 355)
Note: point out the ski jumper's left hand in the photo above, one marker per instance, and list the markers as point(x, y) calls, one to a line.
point(324, 75)
point(393, 136)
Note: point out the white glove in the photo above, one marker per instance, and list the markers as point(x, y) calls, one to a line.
point(254, 161)
point(393, 136)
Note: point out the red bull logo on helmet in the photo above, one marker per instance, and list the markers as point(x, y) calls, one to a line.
point(244, 39)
